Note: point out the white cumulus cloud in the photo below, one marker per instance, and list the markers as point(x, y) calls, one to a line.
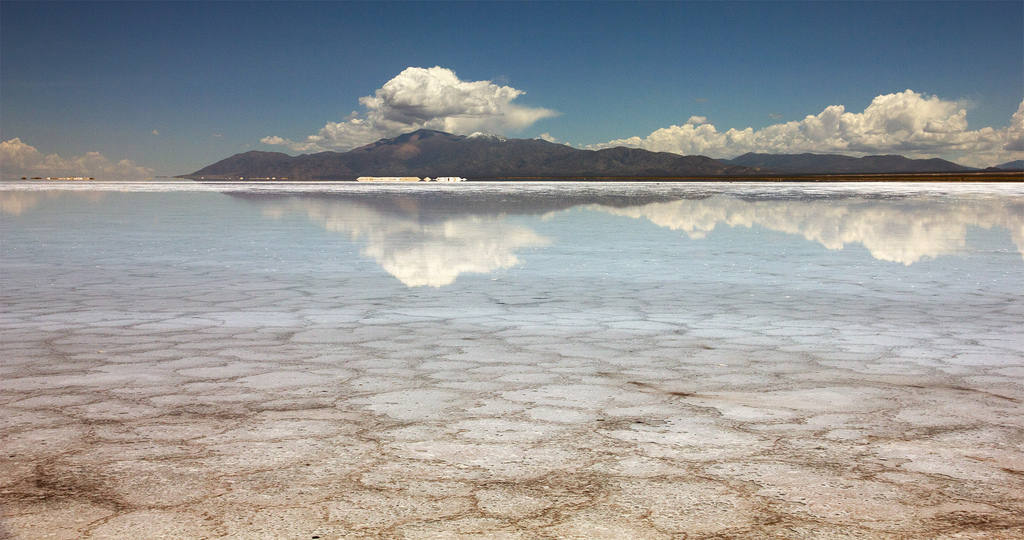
point(18, 159)
point(432, 98)
point(908, 123)
point(1016, 142)
point(549, 138)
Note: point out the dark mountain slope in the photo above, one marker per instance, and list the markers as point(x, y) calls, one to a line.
point(434, 153)
point(271, 162)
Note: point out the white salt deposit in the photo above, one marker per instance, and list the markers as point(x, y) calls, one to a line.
point(177, 362)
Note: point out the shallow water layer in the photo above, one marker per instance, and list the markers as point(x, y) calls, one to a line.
point(512, 361)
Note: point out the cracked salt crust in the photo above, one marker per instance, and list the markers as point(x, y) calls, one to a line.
point(749, 380)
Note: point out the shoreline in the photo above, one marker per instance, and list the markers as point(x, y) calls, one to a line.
point(975, 177)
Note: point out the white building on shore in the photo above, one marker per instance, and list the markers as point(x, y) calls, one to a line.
point(409, 179)
point(388, 179)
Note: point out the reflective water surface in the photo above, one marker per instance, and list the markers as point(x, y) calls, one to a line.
point(512, 360)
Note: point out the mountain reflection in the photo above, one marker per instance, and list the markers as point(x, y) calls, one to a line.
point(897, 230)
point(417, 251)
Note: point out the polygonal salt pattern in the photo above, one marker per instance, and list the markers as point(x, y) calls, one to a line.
point(684, 361)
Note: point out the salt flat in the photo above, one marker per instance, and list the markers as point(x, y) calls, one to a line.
point(612, 362)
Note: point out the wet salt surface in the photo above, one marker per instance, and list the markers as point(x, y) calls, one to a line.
point(512, 361)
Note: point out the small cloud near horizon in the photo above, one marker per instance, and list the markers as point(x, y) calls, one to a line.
point(417, 98)
point(155, 132)
point(19, 159)
point(547, 137)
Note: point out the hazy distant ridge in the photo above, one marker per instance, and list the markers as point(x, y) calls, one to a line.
point(1017, 165)
point(840, 164)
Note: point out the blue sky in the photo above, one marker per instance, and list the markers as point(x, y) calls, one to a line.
point(175, 86)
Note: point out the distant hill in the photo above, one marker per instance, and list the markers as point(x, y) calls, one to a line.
point(839, 164)
point(1012, 165)
point(435, 153)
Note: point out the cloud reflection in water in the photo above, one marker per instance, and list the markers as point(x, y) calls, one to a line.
point(15, 203)
point(464, 238)
point(902, 230)
point(419, 252)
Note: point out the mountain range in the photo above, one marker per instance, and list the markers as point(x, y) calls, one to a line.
point(428, 153)
point(435, 153)
point(840, 164)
